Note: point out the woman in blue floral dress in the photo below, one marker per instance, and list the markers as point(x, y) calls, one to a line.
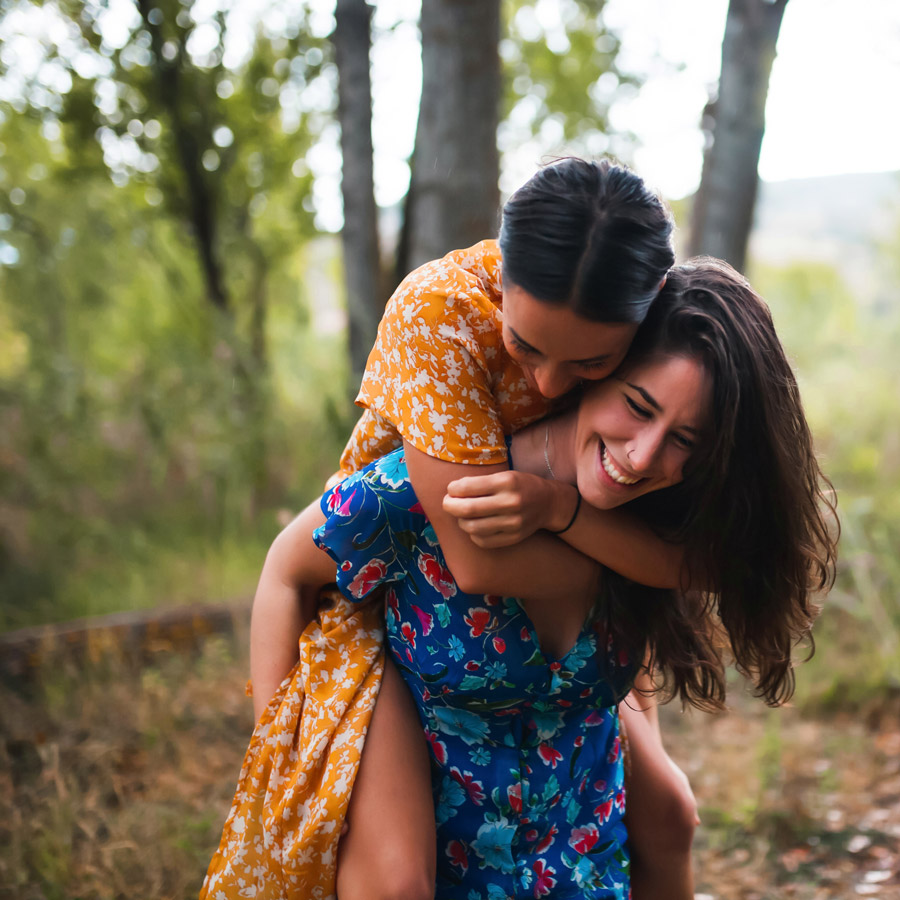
point(703, 418)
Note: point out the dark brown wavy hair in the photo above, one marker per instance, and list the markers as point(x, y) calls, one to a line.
point(754, 512)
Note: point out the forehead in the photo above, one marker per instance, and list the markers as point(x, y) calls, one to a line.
point(557, 332)
point(679, 387)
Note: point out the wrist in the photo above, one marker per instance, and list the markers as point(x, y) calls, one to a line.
point(564, 509)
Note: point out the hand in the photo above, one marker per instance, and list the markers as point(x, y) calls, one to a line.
point(504, 508)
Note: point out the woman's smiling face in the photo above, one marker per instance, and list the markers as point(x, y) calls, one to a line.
point(636, 431)
point(557, 348)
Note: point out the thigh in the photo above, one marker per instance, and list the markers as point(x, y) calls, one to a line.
point(391, 837)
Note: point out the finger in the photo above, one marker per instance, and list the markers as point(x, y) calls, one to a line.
point(491, 525)
point(478, 485)
point(498, 539)
point(479, 507)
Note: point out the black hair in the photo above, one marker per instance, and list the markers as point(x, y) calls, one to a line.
point(588, 235)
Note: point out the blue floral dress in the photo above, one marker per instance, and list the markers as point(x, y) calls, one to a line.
point(526, 755)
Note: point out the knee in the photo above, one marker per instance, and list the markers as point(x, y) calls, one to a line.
point(400, 883)
point(670, 827)
point(387, 879)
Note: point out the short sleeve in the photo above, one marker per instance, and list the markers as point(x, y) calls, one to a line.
point(373, 521)
point(437, 359)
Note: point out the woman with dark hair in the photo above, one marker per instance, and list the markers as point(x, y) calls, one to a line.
point(701, 431)
point(472, 348)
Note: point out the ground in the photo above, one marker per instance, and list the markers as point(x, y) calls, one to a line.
point(115, 785)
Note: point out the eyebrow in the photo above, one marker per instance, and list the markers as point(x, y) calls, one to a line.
point(592, 360)
point(649, 399)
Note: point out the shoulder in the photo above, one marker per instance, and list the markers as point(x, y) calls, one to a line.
point(381, 495)
point(463, 284)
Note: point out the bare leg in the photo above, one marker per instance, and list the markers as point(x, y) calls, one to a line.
point(389, 851)
point(661, 812)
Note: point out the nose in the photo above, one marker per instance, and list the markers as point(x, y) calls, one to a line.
point(642, 452)
point(552, 381)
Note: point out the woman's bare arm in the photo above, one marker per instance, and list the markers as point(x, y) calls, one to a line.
point(285, 602)
point(540, 568)
point(499, 509)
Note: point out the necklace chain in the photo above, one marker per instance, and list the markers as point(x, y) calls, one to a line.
point(546, 454)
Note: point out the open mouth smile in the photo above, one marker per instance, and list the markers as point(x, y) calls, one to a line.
point(614, 472)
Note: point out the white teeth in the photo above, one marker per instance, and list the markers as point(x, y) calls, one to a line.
point(610, 468)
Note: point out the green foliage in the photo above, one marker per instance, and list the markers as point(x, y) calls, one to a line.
point(562, 77)
point(846, 360)
point(144, 431)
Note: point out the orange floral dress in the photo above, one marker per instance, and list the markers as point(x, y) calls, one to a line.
point(439, 377)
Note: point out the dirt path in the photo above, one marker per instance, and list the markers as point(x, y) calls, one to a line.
point(793, 806)
point(116, 786)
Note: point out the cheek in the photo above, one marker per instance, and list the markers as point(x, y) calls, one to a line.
point(674, 470)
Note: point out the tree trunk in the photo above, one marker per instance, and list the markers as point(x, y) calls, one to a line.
point(454, 192)
point(200, 198)
point(723, 207)
point(352, 39)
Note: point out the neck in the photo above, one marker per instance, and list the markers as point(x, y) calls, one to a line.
point(557, 436)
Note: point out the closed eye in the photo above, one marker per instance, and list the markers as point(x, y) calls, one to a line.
point(522, 347)
point(637, 409)
point(595, 366)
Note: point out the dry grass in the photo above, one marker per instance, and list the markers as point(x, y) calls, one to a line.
point(116, 784)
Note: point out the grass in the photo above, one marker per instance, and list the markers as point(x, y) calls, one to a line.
point(114, 785)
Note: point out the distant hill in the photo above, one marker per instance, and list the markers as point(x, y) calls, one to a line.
point(841, 219)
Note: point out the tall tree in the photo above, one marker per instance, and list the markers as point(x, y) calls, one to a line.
point(723, 207)
point(362, 279)
point(454, 191)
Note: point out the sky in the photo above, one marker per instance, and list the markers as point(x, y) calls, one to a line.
point(830, 110)
point(831, 104)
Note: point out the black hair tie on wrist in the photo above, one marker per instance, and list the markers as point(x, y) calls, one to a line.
point(574, 515)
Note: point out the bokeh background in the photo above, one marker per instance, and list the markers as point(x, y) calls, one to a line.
point(204, 206)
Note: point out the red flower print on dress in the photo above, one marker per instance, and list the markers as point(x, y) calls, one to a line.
point(615, 750)
point(499, 645)
point(472, 665)
point(334, 499)
point(426, 620)
point(475, 789)
point(409, 633)
point(436, 575)
point(477, 620)
point(344, 508)
point(438, 748)
point(581, 840)
point(457, 852)
point(392, 602)
point(604, 811)
point(367, 577)
point(514, 795)
point(620, 801)
point(547, 840)
point(544, 881)
point(417, 508)
point(550, 756)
